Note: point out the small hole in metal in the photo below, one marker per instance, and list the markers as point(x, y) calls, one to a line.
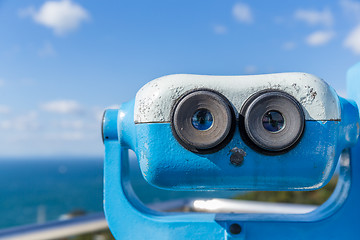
point(106, 137)
point(235, 228)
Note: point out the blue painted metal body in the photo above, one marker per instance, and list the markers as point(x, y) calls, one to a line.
point(309, 165)
point(338, 218)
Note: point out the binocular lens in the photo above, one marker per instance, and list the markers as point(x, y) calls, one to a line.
point(202, 120)
point(273, 121)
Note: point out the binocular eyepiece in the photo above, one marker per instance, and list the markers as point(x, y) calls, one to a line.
point(203, 121)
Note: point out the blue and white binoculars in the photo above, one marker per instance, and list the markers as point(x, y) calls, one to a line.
point(274, 132)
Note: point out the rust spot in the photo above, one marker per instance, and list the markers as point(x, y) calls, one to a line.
point(237, 156)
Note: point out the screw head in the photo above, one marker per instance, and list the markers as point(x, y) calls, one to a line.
point(235, 228)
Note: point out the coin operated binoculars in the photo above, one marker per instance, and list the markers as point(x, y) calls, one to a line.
point(265, 132)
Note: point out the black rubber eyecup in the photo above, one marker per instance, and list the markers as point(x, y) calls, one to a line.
point(219, 130)
point(273, 135)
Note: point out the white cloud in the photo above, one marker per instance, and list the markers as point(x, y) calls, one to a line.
point(319, 38)
point(4, 109)
point(72, 136)
point(242, 13)
point(352, 41)
point(313, 17)
point(250, 69)
point(220, 29)
point(62, 107)
point(25, 122)
point(47, 50)
point(76, 124)
point(351, 8)
point(62, 16)
point(65, 136)
point(289, 46)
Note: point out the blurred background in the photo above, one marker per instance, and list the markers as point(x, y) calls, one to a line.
point(63, 62)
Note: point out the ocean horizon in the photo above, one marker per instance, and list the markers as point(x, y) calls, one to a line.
point(35, 190)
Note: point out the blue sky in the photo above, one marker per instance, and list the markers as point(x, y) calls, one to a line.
point(62, 62)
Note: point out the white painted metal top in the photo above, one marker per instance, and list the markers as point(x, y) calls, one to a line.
point(154, 101)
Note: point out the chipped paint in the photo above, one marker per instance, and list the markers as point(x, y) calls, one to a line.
point(309, 96)
point(296, 87)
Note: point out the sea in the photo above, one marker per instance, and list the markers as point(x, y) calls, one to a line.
point(38, 190)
